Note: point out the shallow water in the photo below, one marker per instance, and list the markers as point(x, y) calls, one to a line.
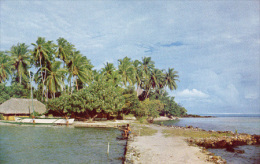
point(242, 123)
point(248, 125)
point(37, 144)
point(251, 155)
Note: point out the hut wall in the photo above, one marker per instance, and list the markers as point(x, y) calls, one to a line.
point(11, 117)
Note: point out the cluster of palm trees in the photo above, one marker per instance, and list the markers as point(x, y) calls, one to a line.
point(144, 75)
point(61, 68)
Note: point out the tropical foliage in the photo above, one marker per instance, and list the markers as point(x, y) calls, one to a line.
point(64, 79)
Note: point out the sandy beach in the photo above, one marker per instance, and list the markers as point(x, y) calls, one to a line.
point(164, 150)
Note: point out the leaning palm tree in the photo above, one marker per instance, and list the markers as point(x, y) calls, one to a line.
point(126, 70)
point(138, 75)
point(79, 67)
point(20, 59)
point(170, 79)
point(5, 67)
point(42, 56)
point(55, 74)
point(153, 81)
point(147, 66)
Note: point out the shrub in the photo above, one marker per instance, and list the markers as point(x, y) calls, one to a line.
point(50, 115)
point(1, 117)
point(142, 120)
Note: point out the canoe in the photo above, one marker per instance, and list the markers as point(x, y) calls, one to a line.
point(45, 120)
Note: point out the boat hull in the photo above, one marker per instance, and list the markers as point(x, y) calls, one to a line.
point(45, 121)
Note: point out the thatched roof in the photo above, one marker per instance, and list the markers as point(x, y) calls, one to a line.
point(22, 106)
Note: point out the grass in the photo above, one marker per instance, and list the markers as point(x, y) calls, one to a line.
point(142, 129)
point(193, 133)
point(147, 131)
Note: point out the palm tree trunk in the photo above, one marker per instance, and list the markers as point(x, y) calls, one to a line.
point(47, 93)
point(42, 91)
point(77, 85)
point(138, 86)
point(42, 78)
point(20, 79)
point(45, 74)
point(70, 87)
point(147, 93)
point(74, 83)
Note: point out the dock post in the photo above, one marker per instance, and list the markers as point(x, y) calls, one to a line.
point(33, 117)
point(67, 121)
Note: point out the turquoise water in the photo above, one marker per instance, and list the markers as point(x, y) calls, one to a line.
point(58, 144)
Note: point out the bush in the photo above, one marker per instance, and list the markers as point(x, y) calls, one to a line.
point(1, 117)
point(142, 120)
point(35, 114)
point(149, 108)
point(50, 116)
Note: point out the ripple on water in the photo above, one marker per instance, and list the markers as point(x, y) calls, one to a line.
point(59, 145)
point(251, 155)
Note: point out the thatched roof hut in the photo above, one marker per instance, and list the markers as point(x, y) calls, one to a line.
point(21, 106)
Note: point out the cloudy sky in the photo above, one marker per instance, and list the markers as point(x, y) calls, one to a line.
point(214, 45)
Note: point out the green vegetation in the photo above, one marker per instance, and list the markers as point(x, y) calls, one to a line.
point(1, 117)
point(147, 131)
point(66, 82)
point(143, 130)
point(193, 133)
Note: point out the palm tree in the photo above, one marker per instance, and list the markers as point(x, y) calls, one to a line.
point(55, 74)
point(64, 49)
point(115, 78)
point(126, 70)
point(170, 79)
point(108, 69)
point(147, 66)
point(153, 81)
point(138, 74)
point(79, 67)
point(42, 56)
point(5, 67)
point(20, 59)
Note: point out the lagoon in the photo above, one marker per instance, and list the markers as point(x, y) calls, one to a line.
point(59, 144)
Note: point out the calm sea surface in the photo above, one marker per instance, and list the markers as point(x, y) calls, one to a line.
point(242, 123)
point(247, 123)
point(38, 144)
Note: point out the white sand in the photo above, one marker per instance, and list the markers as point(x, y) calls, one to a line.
point(158, 149)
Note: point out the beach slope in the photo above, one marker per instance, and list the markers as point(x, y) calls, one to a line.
point(160, 149)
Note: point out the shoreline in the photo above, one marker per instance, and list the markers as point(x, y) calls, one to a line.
point(158, 148)
point(140, 149)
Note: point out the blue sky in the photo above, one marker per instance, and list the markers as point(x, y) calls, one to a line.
point(214, 45)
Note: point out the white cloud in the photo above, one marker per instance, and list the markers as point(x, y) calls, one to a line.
point(194, 93)
point(219, 58)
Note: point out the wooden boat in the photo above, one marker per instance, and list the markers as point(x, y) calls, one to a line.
point(45, 120)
